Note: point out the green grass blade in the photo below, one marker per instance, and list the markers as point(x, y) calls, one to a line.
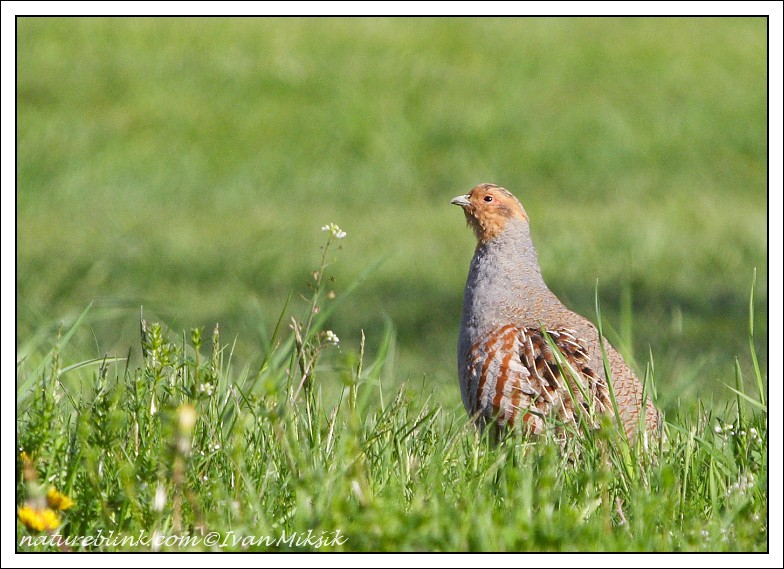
point(752, 347)
point(24, 390)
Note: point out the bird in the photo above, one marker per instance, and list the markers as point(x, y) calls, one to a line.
point(523, 357)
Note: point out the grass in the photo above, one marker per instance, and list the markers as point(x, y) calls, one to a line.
point(185, 166)
point(297, 454)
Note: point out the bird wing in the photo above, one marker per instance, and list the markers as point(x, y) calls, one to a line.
point(519, 373)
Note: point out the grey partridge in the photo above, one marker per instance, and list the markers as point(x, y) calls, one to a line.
point(511, 325)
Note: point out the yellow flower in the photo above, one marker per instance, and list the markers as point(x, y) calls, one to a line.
point(57, 500)
point(38, 520)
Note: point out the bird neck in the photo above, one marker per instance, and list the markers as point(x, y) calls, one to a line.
point(505, 283)
point(511, 258)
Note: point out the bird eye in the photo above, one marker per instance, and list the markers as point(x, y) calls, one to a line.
point(488, 199)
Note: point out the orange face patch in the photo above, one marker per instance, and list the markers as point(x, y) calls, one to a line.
point(488, 208)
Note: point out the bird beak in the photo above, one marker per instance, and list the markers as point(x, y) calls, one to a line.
point(462, 201)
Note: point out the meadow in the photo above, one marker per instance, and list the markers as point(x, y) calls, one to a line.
point(178, 172)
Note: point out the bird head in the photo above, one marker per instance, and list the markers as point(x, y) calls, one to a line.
point(488, 209)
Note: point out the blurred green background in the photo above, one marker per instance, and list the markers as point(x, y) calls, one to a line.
point(187, 165)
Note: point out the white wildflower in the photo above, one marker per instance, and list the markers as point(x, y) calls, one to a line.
point(206, 388)
point(336, 231)
point(160, 498)
point(744, 482)
point(332, 338)
point(356, 488)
